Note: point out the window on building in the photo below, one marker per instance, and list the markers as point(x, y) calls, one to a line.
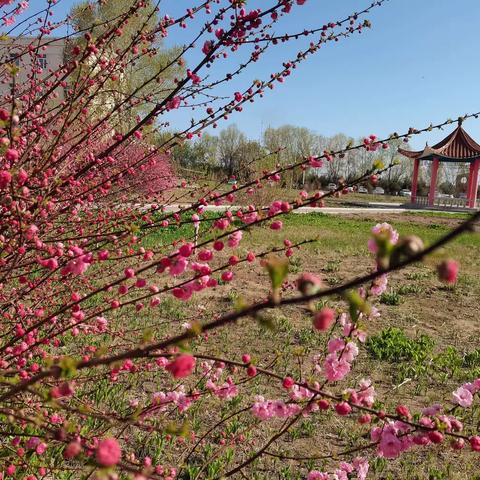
point(15, 59)
point(42, 60)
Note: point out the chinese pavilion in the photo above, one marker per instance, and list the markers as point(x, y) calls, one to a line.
point(458, 147)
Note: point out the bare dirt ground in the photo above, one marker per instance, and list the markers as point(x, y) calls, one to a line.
point(419, 305)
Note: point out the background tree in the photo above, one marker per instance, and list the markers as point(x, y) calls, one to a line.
point(147, 71)
point(292, 143)
point(230, 149)
point(393, 180)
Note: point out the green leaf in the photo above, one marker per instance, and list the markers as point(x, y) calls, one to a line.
point(378, 164)
point(356, 304)
point(147, 335)
point(68, 367)
point(277, 270)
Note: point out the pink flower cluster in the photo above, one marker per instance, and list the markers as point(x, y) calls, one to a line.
point(382, 231)
point(379, 285)
point(359, 466)
point(463, 395)
point(337, 363)
point(395, 437)
point(80, 262)
point(213, 371)
point(162, 401)
point(364, 395)
point(351, 329)
point(267, 409)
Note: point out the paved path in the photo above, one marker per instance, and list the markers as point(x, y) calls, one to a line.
point(385, 208)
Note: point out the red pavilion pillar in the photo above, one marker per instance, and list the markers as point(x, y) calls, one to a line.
point(416, 167)
point(470, 182)
point(433, 182)
point(473, 184)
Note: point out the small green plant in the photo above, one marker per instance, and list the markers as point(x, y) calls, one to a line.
point(409, 289)
point(472, 359)
point(421, 275)
point(332, 266)
point(295, 265)
point(307, 336)
point(390, 298)
point(392, 344)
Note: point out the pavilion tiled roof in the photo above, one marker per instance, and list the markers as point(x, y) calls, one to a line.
point(458, 146)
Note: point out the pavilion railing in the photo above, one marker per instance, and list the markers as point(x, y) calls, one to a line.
point(446, 202)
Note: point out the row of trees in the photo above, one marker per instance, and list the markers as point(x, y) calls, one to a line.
point(232, 153)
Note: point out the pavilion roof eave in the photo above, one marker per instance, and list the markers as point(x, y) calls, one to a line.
point(456, 147)
point(429, 153)
point(445, 158)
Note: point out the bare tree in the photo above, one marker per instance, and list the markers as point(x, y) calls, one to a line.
point(230, 143)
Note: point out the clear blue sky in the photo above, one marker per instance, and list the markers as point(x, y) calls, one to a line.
point(419, 63)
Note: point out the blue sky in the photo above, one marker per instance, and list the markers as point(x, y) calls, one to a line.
point(419, 63)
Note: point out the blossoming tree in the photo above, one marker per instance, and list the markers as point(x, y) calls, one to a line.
point(82, 278)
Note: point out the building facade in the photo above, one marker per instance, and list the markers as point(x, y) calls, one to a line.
point(47, 55)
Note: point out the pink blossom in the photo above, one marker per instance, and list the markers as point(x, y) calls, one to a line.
point(475, 443)
point(182, 366)
point(72, 450)
point(249, 218)
point(297, 392)
point(382, 231)
point(8, 21)
point(307, 283)
point(205, 255)
point(448, 271)
point(335, 345)
point(222, 223)
point(315, 162)
point(276, 225)
point(184, 292)
point(193, 77)
point(463, 397)
point(5, 179)
point(207, 47)
point(129, 272)
point(41, 448)
point(11, 155)
point(379, 285)
point(366, 393)
point(343, 408)
point(226, 391)
point(227, 276)
point(234, 239)
point(174, 103)
point(317, 475)
point(178, 266)
point(433, 410)
point(350, 352)
point(108, 452)
point(266, 409)
point(323, 319)
point(32, 442)
point(79, 264)
point(186, 249)
point(390, 445)
point(335, 369)
point(361, 466)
